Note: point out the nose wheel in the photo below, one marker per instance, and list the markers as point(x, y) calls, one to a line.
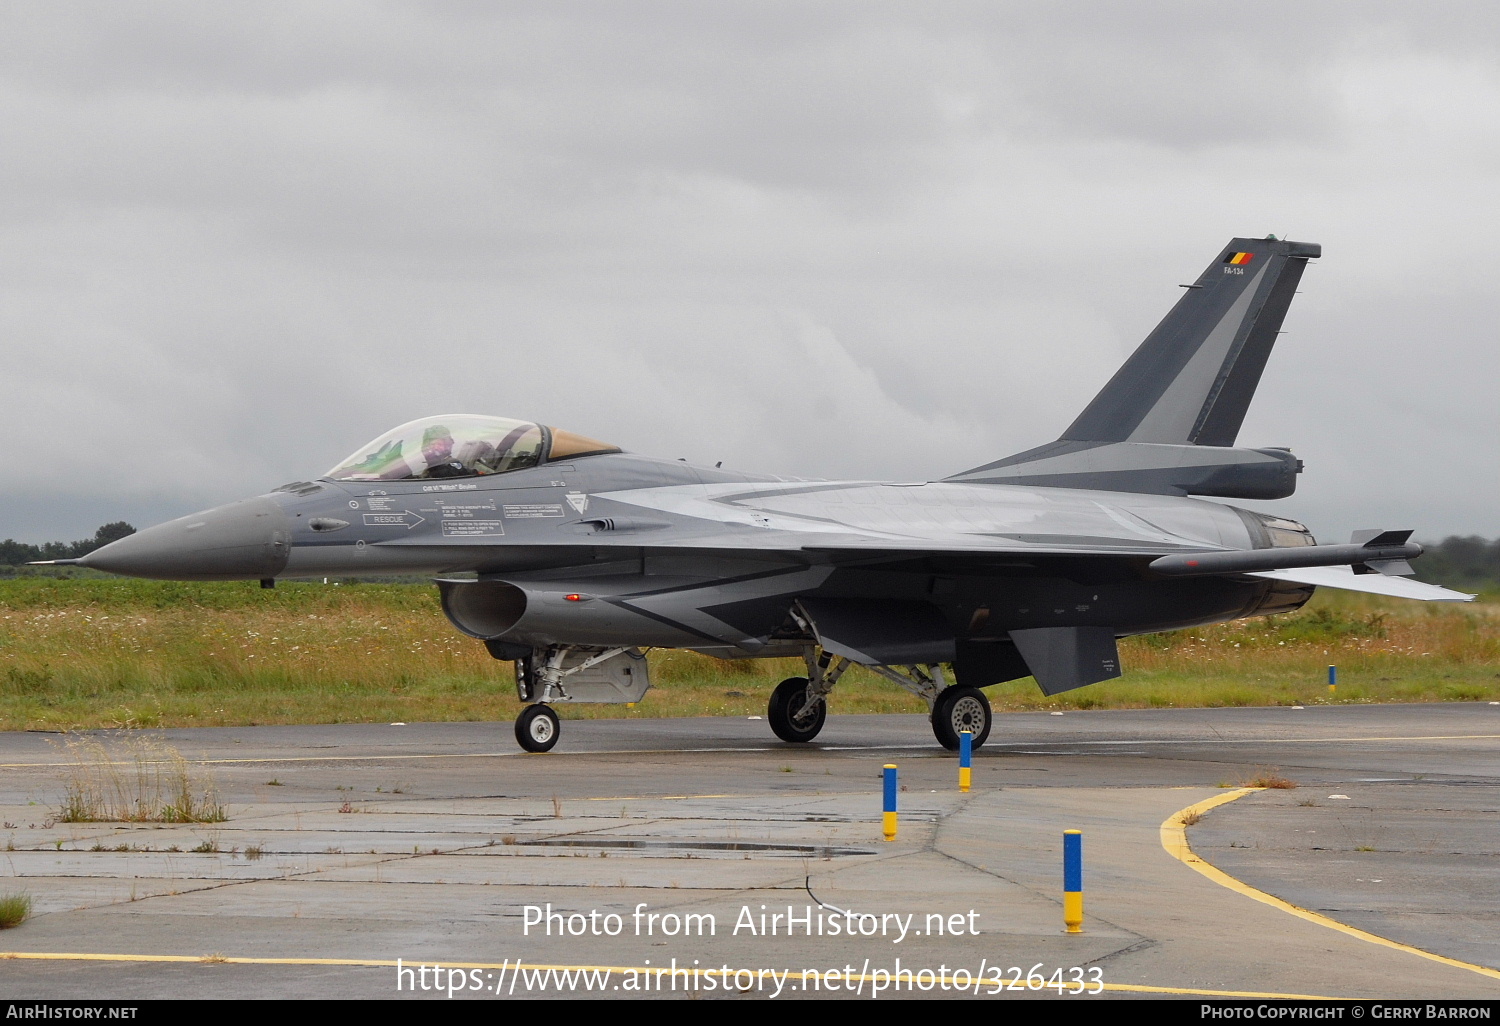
point(958, 709)
point(537, 728)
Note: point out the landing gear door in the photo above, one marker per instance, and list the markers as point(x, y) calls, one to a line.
point(624, 677)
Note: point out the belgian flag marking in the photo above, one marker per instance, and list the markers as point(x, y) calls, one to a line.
point(1239, 258)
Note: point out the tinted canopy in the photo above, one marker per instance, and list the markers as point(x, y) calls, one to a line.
point(461, 445)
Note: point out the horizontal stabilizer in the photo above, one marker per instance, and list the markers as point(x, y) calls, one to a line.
point(1374, 584)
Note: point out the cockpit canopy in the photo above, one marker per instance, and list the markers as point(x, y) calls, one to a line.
point(462, 445)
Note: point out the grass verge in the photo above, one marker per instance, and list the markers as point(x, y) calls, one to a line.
point(89, 654)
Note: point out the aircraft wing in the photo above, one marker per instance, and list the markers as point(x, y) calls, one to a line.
point(1375, 584)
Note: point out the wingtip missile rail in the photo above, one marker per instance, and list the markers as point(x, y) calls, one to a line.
point(1383, 552)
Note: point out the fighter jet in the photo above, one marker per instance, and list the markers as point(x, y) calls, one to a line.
point(577, 555)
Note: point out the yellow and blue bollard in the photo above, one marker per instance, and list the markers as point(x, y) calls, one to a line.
point(1073, 881)
point(965, 759)
point(1333, 678)
point(890, 802)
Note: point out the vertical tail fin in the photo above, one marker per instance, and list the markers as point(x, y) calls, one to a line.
point(1191, 381)
point(1189, 384)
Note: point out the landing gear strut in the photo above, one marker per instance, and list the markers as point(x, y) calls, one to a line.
point(799, 705)
point(954, 708)
point(539, 680)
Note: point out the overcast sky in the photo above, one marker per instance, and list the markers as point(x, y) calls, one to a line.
point(886, 240)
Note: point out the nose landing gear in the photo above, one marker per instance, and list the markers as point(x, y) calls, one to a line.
point(537, 728)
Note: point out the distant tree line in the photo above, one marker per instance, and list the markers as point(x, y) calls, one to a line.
point(1469, 563)
point(15, 553)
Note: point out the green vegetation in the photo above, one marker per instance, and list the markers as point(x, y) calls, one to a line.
point(13, 553)
point(135, 778)
point(15, 909)
point(1471, 564)
point(115, 652)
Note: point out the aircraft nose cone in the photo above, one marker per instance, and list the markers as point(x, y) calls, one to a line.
point(246, 539)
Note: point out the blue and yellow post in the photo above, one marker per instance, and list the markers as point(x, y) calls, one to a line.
point(965, 759)
point(1073, 881)
point(1333, 678)
point(890, 802)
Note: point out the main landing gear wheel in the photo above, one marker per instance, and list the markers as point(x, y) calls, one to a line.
point(789, 697)
point(958, 709)
point(537, 728)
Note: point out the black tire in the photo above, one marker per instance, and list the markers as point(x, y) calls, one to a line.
point(789, 695)
point(537, 728)
point(958, 709)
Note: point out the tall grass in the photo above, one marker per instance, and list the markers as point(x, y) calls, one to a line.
point(125, 653)
point(136, 778)
point(14, 910)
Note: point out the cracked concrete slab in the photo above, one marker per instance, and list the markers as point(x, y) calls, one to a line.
point(453, 841)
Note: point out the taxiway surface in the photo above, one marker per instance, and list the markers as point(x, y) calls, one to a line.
point(350, 846)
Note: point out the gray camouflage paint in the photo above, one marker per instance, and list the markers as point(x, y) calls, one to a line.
point(1031, 565)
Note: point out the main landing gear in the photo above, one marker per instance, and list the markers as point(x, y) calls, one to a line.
point(799, 705)
point(958, 709)
point(954, 708)
point(796, 713)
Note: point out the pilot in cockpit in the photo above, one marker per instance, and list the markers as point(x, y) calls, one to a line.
point(446, 458)
point(458, 445)
point(437, 453)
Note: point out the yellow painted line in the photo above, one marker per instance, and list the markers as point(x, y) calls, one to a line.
point(1174, 840)
point(621, 970)
point(286, 758)
point(1333, 740)
point(1141, 989)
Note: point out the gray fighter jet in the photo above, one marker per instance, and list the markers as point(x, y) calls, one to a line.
point(1033, 565)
